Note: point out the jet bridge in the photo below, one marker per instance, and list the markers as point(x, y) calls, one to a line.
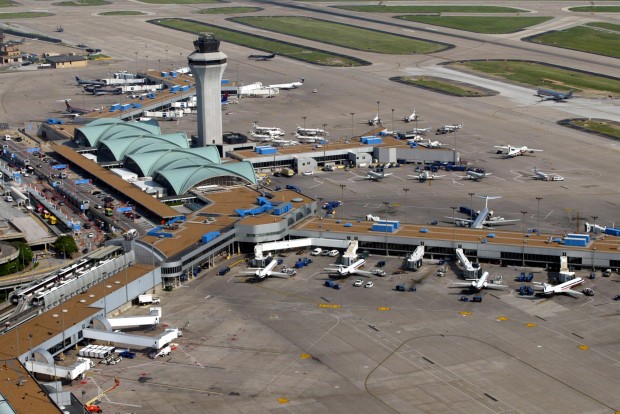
point(155, 342)
point(152, 319)
point(469, 270)
point(414, 260)
point(71, 372)
point(260, 249)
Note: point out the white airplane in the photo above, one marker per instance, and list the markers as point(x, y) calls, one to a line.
point(419, 131)
point(267, 130)
point(431, 144)
point(426, 175)
point(514, 151)
point(547, 289)
point(547, 176)
point(453, 127)
point(375, 176)
point(353, 269)
point(292, 85)
point(374, 121)
point(284, 142)
point(473, 175)
point(549, 95)
point(308, 139)
point(484, 218)
point(310, 131)
point(262, 137)
point(266, 271)
point(411, 118)
point(478, 284)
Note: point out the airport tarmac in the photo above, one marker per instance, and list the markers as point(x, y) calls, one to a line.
point(294, 345)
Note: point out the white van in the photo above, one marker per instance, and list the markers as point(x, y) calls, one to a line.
point(162, 352)
point(316, 251)
point(7, 137)
point(8, 199)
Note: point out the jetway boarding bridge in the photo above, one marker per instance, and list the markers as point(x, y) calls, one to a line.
point(469, 270)
point(70, 373)
point(261, 249)
point(414, 260)
point(131, 321)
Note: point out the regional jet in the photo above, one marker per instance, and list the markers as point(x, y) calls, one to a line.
point(74, 110)
point(353, 269)
point(474, 175)
point(310, 131)
point(273, 131)
point(376, 176)
point(374, 121)
point(97, 82)
point(547, 176)
point(484, 218)
point(266, 271)
point(547, 290)
point(411, 118)
point(478, 284)
point(426, 175)
point(431, 144)
point(512, 152)
point(549, 95)
point(262, 57)
point(285, 86)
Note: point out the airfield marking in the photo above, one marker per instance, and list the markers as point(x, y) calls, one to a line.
point(305, 356)
point(329, 306)
point(465, 313)
point(502, 318)
point(583, 347)
point(383, 308)
point(531, 325)
point(282, 400)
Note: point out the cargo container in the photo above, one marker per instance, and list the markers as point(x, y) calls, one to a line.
point(574, 242)
point(586, 237)
point(394, 223)
point(386, 228)
point(612, 231)
point(125, 107)
point(206, 238)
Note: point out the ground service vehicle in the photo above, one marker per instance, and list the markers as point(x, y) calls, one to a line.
point(148, 299)
point(162, 352)
point(358, 283)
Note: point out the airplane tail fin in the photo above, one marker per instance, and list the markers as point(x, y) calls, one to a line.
point(569, 94)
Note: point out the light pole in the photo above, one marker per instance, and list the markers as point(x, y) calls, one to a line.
point(594, 218)
point(392, 119)
point(406, 190)
point(455, 146)
point(453, 226)
point(471, 205)
point(181, 61)
point(342, 187)
point(62, 314)
point(538, 213)
point(136, 62)
point(523, 238)
point(304, 119)
point(386, 203)
point(319, 206)
point(378, 102)
point(352, 133)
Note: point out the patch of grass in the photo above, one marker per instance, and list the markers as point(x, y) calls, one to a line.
point(122, 13)
point(595, 9)
point(180, 1)
point(446, 86)
point(432, 9)
point(480, 24)
point(228, 10)
point(582, 38)
point(98, 57)
point(81, 3)
point(538, 75)
point(343, 35)
point(608, 128)
point(604, 25)
point(290, 50)
point(23, 15)
point(7, 3)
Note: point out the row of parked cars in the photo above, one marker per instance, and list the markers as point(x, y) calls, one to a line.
point(321, 252)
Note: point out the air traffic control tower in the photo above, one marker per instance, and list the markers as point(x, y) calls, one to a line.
point(207, 64)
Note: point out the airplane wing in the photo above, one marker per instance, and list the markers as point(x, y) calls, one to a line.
point(361, 273)
point(438, 176)
point(534, 150)
point(573, 293)
point(280, 274)
point(459, 219)
point(499, 222)
point(460, 285)
point(495, 287)
point(504, 147)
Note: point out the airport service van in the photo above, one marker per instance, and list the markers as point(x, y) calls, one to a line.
point(162, 352)
point(148, 299)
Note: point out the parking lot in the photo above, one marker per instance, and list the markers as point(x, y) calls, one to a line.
point(296, 343)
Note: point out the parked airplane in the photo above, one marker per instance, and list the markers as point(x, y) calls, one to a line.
point(547, 176)
point(262, 57)
point(284, 86)
point(353, 269)
point(310, 131)
point(308, 139)
point(446, 129)
point(59, 29)
point(548, 289)
point(262, 137)
point(419, 131)
point(89, 82)
point(411, 118)
point(375, 176)
point(75, 110)
point(374, 121)
point(514, 151)
point(431, 144)
point(478, 284)
point(549, 95)
point(101, 90)
point(473, 175)
point(274, 131)
point(484, 218)
point(266, 271)
point(426, 175)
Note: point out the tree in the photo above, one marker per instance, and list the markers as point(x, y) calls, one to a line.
point(65, 245)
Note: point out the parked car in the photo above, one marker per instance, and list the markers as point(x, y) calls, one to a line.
point(127, 354)
point(333, 253)
point(223, 271)
point(93, 408)
point(358, 283)
point(369, 285)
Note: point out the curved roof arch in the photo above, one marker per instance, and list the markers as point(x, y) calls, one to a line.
point(121, 144)
point(150, 161)
point(91, 134)
point(181, 179)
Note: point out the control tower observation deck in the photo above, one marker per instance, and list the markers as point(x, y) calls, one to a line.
point(207, 64)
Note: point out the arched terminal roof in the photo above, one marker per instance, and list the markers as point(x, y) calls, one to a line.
point(180, 177)
point(118, 145)
point(89, 135)
point(146, 161)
